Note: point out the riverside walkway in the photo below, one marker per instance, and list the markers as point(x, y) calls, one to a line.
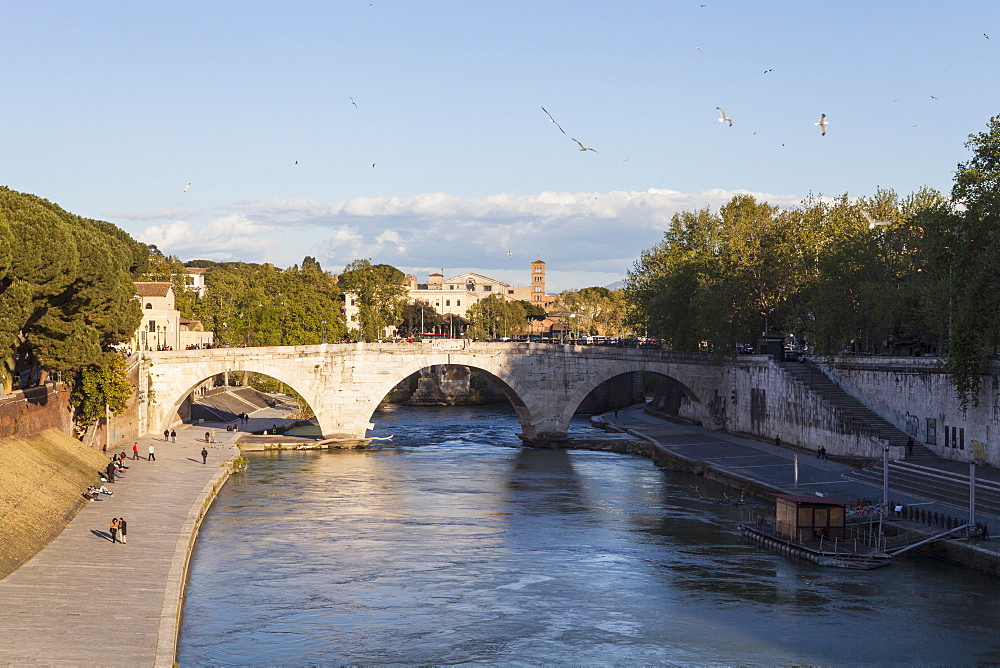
point(84, 601)
point(774, 467)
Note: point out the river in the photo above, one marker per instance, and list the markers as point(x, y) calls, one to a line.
point(452, 544)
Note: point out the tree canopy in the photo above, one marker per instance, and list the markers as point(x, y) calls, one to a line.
point(379, 294)
point(66, 285)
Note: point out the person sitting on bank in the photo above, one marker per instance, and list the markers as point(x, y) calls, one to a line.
point(92, 494)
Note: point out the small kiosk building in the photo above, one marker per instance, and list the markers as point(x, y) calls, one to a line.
point(807, 518)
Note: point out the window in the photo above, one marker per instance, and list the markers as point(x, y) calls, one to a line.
point(947, 441)
point(458, 302)
point(931, 425)
point(487, 288)
point(447, 302)
point(152, 325)
point(538, 288)
point(149, 306)
point(961, 438)
point(451, 287)
point(538, 270)
point(538, 279)
point(352, 302)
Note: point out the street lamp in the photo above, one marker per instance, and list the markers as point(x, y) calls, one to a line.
point(323, 322)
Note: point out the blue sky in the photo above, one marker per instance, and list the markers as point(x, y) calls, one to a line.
point(111, 108)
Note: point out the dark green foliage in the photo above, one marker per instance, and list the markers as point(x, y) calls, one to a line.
point(101, 387)
point(379, 293)
point(65, 284)
point(261, 305)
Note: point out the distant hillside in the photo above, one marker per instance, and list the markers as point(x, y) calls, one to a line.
point(617, 285)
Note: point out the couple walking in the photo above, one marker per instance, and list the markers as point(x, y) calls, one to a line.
point(119, 529)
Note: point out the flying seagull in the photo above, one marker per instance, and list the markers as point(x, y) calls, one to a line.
point(582, 147)
point(723, 118)
point(932, 97)
point(872, 224)
point(553, 120)
point(510, 253)
point(768, 70)
point(187, 187)
point(354, 103)
point(822, 124)
point(698, 47)
point(986, 36)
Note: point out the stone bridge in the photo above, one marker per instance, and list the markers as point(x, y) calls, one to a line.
point(344, 383)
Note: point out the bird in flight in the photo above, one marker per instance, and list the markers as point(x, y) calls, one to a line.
point(986, 36)
point(553, 120)
point(822, 124)
point(373, 165)
point(723, 118)
point(354, 103)
point(932, 97)
point(768, 70)
point(698, 47)
point(187, 187)
point(872, 224)
point(510, 253)
point(296, 162)
point(582, 147)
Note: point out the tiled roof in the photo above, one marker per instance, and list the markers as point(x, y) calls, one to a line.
point(152, 289)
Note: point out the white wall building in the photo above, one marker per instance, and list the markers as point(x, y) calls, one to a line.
point(162, 327)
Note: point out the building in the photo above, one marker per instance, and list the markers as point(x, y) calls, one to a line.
point(162, 327)
point(534, 292)
point(194, 281)
point(456, 295)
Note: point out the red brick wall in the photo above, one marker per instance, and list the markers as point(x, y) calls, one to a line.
point(28, 411)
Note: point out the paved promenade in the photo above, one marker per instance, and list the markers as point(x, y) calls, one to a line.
point(775, 467)
point(84, 601)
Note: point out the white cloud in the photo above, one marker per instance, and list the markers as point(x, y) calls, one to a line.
point(223, 237)
point(596, 235)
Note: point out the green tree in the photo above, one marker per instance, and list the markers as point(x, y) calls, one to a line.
point(419, 317)
point(603, 310)
point(100, 389)
point(379, 293)
point(495, 317)
point(968, 244)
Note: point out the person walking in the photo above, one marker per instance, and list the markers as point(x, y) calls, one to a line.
point(152, 455)
point(135, 450)
point(114, 529)
point(207, 436)
point(122, 526)
point(909, 446)
point(777, 442)
point(110, 470)
point(166, 435)
point(204, 455)
point(173, 436)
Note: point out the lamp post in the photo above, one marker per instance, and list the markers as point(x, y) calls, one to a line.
point(323, 322)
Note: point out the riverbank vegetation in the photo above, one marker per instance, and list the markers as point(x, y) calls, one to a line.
point(66, 296)
point(881, 274)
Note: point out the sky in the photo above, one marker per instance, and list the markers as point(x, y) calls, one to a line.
point(412, 133)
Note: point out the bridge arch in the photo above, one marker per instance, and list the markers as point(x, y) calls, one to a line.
point(619, 369)
point(172, 395)
point(522, 400)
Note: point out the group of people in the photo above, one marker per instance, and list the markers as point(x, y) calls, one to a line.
point(169, 435)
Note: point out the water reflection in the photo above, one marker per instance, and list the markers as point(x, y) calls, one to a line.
point(456, 546)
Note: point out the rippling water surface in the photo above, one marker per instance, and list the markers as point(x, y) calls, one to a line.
point(454, 545)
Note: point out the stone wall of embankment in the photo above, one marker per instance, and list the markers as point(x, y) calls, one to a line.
point(916, 395)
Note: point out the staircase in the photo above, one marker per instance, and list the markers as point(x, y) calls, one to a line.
point(854, 411)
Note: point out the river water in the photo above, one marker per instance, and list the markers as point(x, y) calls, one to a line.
point(454, 545)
